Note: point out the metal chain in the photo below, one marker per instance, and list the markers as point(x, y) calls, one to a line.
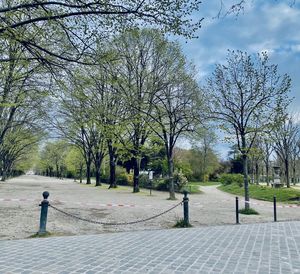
point(123, 223)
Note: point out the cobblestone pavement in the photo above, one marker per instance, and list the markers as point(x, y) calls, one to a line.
point(252, 248)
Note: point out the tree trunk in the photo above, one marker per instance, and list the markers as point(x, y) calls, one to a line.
point(98, 174)
point(267, 172)
point(57, 171)
point(112, 174)
point(3, 178)
point(246, 183)
point(80, 174)
point(50, 171)
point(256, 173)
point(252, 170)
point(88, 171)
point(287, 177)
point(294, 174)
point(98, 161)
point(245, 172)
point(112, 166)
point(171, 178)
point(136, 174)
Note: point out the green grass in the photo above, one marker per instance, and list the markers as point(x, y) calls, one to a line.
point(249, 211)
point(204, 183)
point(181, 223)
point(37, 235)
point(192, 189)
point(264, 193)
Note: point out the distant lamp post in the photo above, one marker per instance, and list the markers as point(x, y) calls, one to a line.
point(276, 181)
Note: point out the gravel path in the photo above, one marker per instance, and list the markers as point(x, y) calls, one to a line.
point(19, 210)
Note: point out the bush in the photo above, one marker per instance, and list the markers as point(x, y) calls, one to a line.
point(122, 179)
point(180, 181)
point(249, 211)
point(162, 185)
point(104, 178)
point(227, 179)
point(144, 181)
point(129, 179)
point(181, 223)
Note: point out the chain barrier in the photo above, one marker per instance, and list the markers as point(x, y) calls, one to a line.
point(122, 223)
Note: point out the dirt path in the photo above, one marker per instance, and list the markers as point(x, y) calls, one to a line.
point(19, 210)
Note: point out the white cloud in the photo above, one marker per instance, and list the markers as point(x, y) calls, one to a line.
point(280, 15)
point(295, 48)
point(267, 25)
point(266, 46)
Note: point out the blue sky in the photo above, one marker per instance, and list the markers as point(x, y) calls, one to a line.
point(265, 25)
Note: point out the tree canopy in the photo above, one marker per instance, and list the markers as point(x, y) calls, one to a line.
point(59, 31)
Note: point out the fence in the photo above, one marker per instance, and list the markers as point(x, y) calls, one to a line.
point(45, 205)
point(185, 203)
point(237, 211)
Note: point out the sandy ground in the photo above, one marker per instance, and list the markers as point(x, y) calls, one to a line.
point(20, 219)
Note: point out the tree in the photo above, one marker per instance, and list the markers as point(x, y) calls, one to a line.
point(285, 137)
point(76, 121)
point(18, 146)
point(21, 101)
point(255, 156)
point(203, 139)
point(267, 148)
point(75, 163)
point(295, 157)
point(59, 31)
point(53, 158)
point(159, 91)
point(136, 82)
point(21, 93)
point(108, 111)
point(176, 105)
point(246, 97)
point(191, 163)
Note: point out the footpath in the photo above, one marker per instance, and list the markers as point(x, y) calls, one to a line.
point(252, 248)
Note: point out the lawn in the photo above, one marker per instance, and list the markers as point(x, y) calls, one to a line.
point(264, 193)
point(192, 189)
point(204, 183)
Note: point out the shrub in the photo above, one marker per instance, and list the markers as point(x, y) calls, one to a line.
point(144, 181)
point(249, 211)
point(206, 178)
point(129, 178)
point(105, 178)
point(181, 223)
point(162, 185)
point(122, 179)
point(180, 181)
point(227, 179)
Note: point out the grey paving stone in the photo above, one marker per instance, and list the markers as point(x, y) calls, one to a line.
point(256, 248)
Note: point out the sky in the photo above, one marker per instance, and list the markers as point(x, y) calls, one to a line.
point(264, 25)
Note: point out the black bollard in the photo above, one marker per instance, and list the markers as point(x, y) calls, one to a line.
point(44, 212)
point(186, 209)
point(274, 205)
point(237, 210)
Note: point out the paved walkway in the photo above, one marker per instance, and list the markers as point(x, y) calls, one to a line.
point(254, 248)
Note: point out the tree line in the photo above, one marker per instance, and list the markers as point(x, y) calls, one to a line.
point(113, 88)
